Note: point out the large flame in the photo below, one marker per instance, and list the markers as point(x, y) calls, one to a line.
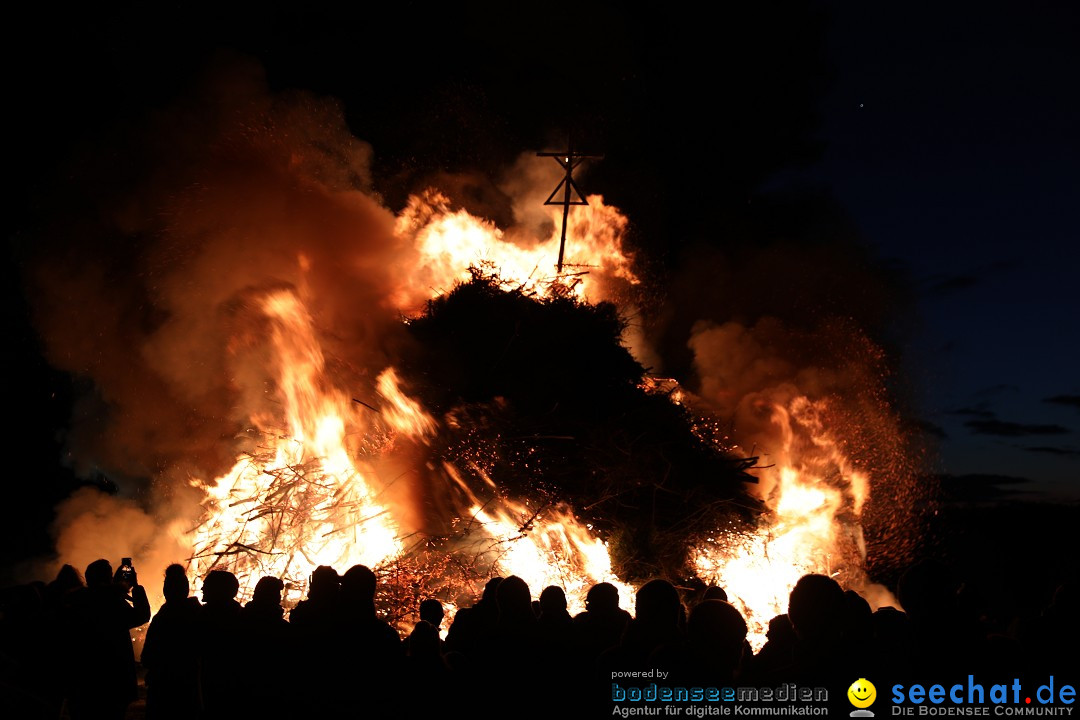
point(549, 547)
point(449, 244)
point(300, 501)
point(301, 498)
point(813, 526)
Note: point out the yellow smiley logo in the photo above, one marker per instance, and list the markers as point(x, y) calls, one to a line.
point(862, 693)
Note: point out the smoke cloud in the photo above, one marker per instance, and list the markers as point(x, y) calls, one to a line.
point(147, 285)
point(147, 288)
point(817, 401)
point(150, 300)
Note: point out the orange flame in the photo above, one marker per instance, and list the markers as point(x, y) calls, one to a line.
point(303, 500)
point(550, 548)
point(807, 532)
point(450, 243)
point(400, 411)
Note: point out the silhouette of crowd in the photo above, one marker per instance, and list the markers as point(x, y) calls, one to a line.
point(67, 650)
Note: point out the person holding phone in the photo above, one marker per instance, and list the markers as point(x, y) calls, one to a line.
point(101, 661)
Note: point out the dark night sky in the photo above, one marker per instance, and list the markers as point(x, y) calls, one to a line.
point(952, 141)
point(943, 138)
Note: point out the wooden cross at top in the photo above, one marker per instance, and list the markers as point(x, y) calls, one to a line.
point(571, 193)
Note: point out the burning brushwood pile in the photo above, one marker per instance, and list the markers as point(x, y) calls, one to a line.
point(550, 453)
point(421, 393)
point(531, 443)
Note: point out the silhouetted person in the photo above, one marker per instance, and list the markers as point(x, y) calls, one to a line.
point(555, 632)
point(41, 636)
point(102, 614)
point(33, 647)
point(658, 612)
point(473, 627)
point(58, 592)
point(372, 647)
point(431, 612)
point(422, 650)
point(516, 628)
point(511, 656)
point(553, 614)
point(601, 625)
point(266, 639)
point(264, 608)
point(857, 623)
point(426, 671)
point(712, 652)
point(714, 592)
point(778, 652)
point(220, 642)
point(316, 617)
point(892, 641)
point(816, 610)
point(317, 625)
point(170, 656)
